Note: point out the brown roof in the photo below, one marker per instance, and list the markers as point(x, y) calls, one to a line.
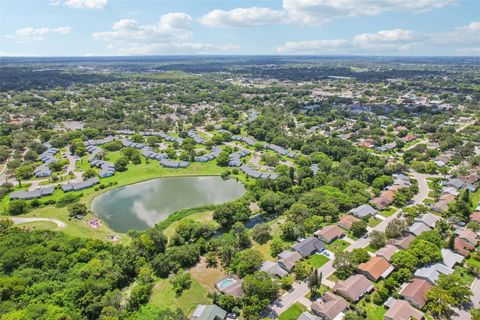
point(416, 291)
point(347, 221)
point(403, 242)
point(447, 198)
point(463, 247)
point(475, 216)
point(375, 268)
point(331, 307)
point(402, 310)
point(469, 236)
point(354, 287)
point(386, 252)
point(329, 233)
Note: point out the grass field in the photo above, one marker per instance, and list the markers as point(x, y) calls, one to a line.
point(318, 260)
point(39, 225)
point(388, 212)
point(276, 232)
point(337, 246)
point(164, 297)
point(293, 312)
point(373, 222)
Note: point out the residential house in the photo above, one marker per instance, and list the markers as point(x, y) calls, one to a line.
point(475, 216)
point(450, 258)
point(347, 221)
point(33, 194)
point(375, 268)
point(288, 259)
point(331, 306)
point(309, 246)
point(353, 288)
point(77, 186)
point(418, 228)
point(432, 272)
point(386, 252)
point(273, 269)
point(415, 291)
point(465, 242)
point(208, 312)
point(401, 310)
point(403, 243)
point(363, 211)
point(428, 219)
point(385, 199)
point(330, 233)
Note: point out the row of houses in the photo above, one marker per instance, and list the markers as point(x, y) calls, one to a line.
point(196, 137)
point(209, 156)
point(48, 156)
point(235, 157)
point(278, 149)
point(98, 142)
point(77, 186)
point(34, 194)
point(254, 173)
point(160, 134)
point(42, 171)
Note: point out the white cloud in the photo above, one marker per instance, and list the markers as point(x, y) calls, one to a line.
point(316, 12)
point(170, 26)
point(314, 46)
point(29, 33)
point(81, 4)
point(167, 36)
point(243, 17)
point(464, 39)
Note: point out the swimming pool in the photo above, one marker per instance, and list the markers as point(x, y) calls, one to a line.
point(225, 283)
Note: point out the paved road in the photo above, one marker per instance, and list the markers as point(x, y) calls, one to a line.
point(284, 302)
point(16, 220)
point(476, 293)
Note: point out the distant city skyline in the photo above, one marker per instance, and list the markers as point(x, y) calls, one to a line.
point(288, 27)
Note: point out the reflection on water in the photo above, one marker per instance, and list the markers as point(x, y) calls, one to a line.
point(144, 204)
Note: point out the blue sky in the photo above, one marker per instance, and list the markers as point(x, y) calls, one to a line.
point(323, 27)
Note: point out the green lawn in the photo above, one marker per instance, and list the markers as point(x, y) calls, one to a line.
point(374, 312)
point(372, 222)
point(39, 225)
point(293, 312)
point(318, 260)
point(337, 246)
point(164, 297)
point(463, 273)
point(388, 212)
point(473, 262)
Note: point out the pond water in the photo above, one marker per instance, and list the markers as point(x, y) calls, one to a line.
point(140, 206)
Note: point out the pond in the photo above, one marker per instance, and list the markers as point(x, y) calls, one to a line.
point(140, 206)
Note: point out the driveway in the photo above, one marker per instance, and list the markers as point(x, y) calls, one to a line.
point(284, 302)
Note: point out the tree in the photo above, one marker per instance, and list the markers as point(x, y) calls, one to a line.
point(227, 214)
point(426, 252)
point(314, 281)
point(77, 209)
point(181, 282)
point(346, 262)
point(223, 159)
point(277, 246)
point(89, 173)
point(17, 207)
point(121, 164)
point(260, 284)
point(247, 262)
point(261, 233)
point(405, 259)
point(439, 303)
point(395, 228)
point(475, 314)
point(302, 269)
point(359, 228)
point(23, 173)
point(271, 203)
point(377, 239)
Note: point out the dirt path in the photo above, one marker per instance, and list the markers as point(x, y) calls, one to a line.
point(16, 220)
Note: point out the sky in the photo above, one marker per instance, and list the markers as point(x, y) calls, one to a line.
point(275, 27)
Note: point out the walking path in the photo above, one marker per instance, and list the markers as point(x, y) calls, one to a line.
point(16, 220)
